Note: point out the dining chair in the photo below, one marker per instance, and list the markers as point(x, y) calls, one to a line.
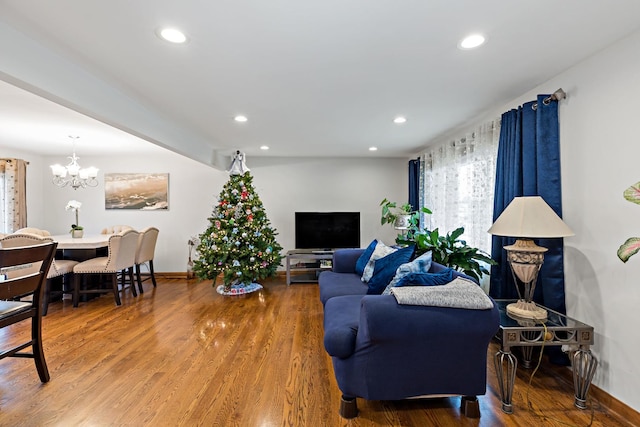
point(32, 230)
point(145, 253)
point(24, 284)
point(120, 259)
point(115, 229)
point(59, 267)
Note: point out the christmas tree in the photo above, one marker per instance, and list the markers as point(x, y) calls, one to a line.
point(239, 243)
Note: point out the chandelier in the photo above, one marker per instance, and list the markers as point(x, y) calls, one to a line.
point(72, 174)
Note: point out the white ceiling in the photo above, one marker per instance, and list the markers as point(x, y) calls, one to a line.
point(321, 78)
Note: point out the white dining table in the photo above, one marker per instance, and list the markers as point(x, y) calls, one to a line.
point(88, 241)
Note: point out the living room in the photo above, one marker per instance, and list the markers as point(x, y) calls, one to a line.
point(598, 163)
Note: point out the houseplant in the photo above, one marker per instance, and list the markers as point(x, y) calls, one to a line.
point(402, 216)
point(632, 245)
point(77, 230)
point(446, 249)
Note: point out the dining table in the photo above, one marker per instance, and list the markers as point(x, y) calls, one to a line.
point(88, 241)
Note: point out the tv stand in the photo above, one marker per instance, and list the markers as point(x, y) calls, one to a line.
point(307, 264)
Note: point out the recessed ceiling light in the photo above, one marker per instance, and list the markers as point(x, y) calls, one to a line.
point(172, 35)
point(399, 120)
point(240, 119)
point(373, 148)
point(472, 41)
point(264, 147)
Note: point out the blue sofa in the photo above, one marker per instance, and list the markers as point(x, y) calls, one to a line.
point(382, 350)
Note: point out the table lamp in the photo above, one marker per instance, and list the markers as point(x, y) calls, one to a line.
point(528, 218)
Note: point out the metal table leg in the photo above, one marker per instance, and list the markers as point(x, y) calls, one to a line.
point(584, 366)
point(506, 365)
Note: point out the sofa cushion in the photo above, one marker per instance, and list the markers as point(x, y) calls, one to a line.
point(334, 284)
point(364, 258)
point(379, 252)
point(341, 320)
point(421, 264)
point(385, 268)
point(426, 279)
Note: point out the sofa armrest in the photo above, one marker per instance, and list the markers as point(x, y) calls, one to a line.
point(344, 260)
point(383, 319)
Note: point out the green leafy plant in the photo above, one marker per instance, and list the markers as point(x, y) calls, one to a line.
point(452, 251)
point(391, 212)
point(446, 249)
point(632, 245)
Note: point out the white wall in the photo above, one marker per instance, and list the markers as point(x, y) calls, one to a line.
point(600, 149)
point(285, 185)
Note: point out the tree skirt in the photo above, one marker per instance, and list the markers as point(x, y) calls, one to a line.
point(239, 289)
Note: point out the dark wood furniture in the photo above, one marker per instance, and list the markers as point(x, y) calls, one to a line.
point(24, 273)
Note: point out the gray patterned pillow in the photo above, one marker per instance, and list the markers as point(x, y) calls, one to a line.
point(380, 251)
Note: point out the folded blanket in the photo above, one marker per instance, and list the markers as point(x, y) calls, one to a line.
point(460, 293)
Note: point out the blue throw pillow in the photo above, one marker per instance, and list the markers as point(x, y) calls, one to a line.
point(427, 279)
point(361, 263)
point(421, 264)
point(385, 268)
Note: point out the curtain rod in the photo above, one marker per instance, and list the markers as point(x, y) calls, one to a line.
point(555, 96)
point(9, 160)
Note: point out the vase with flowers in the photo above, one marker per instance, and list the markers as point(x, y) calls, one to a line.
point(77, 231)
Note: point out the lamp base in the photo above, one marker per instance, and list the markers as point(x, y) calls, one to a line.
point(527, 310)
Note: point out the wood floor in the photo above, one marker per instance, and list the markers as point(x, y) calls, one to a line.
point(182, 355)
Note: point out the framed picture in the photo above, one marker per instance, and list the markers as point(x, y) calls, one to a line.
point(137, 191)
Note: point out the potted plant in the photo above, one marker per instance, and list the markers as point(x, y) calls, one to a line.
point(77, 231)
point(453, 252)
point(632, 245)
point(402, 218)
point(447, 249)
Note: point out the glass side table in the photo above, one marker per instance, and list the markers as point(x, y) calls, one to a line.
point(529, 333)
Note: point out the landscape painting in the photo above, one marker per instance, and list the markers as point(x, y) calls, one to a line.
point(138, 191)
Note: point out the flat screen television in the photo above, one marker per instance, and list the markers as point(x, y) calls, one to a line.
point(327, 230)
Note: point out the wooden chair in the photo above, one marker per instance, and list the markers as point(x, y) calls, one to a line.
point(145, 253)
point(59, 268)
point(24, 282)
point(120, 259)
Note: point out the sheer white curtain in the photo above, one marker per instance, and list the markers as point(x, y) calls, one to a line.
point(457, 184)
point(13, 199)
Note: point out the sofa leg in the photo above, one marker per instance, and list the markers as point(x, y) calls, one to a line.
point(470, 407)
point(348, 407)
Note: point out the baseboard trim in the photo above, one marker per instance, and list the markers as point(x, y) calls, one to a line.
point(605, 399)
point(183, 274)
point(171, 275)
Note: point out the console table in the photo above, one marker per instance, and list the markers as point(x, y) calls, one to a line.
point(306, 264)
point(557, 330)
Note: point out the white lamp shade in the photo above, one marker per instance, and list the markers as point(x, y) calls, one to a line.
point(530, 217)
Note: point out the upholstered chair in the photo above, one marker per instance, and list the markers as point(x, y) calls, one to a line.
point(120, 259)
point(59, 267)
point(33, 230)
point(115, 229)
point(145, 253)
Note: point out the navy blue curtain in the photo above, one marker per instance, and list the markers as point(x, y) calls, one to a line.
point(414, 183)
point(528, 164)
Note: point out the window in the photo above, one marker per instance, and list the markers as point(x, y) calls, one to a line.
point(457, 184)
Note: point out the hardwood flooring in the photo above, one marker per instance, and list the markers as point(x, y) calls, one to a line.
point(182, 355)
